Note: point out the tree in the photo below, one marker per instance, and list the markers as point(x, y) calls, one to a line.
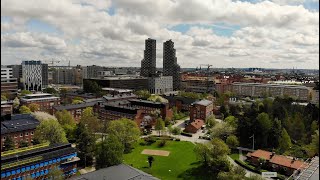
point(202, 152)
point(150, 160)
point(157, 98)
point(23, 143)
point(284, 141)
point(176, 131)
point(222, 130)
point(90, 119)
point(64, 117)
point(24, 110)
point(232, 121)
point(74, 101)
point(126, 131)
point(143, 94)
point(55, 173)
point(90, 86)
point(34, 107)
point(8, 144)
point(211, 121)
point(109, 152)
point(85, 143)
point(3, 98)
point(237, 173)
point(42, 116)
point(159, 126)
point(25, 92)
point(264, 125)
point(313, 148)
point(50, 90)
point(16, 103)
point(232, 141)
point(51, 131)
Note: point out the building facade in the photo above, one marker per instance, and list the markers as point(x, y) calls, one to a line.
point(273, 90)
point(170, 65)
point(44, 100)
point(201, 110)
point(9, 84)
point(20, 127)
point(37, 161)
point(148, 64)
point(34, 75)
point(129, 82)
point(160, 85)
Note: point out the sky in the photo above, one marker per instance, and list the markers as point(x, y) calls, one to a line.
point(223, 33)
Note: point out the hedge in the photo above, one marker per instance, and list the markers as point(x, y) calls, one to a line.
point(186, 134)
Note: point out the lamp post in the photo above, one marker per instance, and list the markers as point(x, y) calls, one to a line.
point(252, 141)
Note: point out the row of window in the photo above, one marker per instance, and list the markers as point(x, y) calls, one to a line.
point(21, 135)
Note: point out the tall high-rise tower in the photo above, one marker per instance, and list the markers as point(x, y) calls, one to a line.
point(34, 75)
point(148, 64)
point(170, 65)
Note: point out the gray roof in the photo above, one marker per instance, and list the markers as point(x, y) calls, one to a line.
point(74, 106)
point(19, 122)
point(118, 172)
point(204, 102)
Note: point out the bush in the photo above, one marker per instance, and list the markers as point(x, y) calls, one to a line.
point(186, 134)
point(143, 143)
point(246, 166)
point(149, 140)
point(162, 143)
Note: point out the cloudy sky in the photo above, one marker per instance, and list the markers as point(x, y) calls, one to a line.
point(224, 33)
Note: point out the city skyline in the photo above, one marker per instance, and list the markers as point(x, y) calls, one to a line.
point(240, 34)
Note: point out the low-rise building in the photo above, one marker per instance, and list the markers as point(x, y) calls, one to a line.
point(35, 162)
point(181, 103)
point(9, 84)
point(275, 162)
point(20, 127)
point(6, 107)
point(194, 126)
point(201, 110)
point(160, 85)
point(44, 100)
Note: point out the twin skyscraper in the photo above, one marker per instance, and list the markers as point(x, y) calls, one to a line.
point(170, 65)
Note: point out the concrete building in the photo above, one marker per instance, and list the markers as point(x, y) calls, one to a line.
point(34, 75)
point(20, 127)
point(92, 71)
point(273, 90)
point(198, 85)
point(160, 85)
point(315, 96)
point(201, 110)
point(44, 100)
point(170, 65)
point(37, 161)
point(148, 64)
point(9, 84)
point(6, 107)
point(67, 75)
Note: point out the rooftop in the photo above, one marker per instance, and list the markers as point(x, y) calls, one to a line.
point(74, 106)
point(122, 171)
point(198, 123)
point(268, 85)
point(276, 159)
point(204, 102)
point(18, 122)
point(117, 90)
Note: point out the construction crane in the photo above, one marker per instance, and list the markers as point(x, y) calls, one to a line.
point(208, 65)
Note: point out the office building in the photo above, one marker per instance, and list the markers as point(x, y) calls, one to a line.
point(37, 161)
point(34, 75)
point(44, 100)
point(170, 65)
point(273, 90)
point(160, 85)
point(91, 71)
point(19, 127)
point(198, 84)
point(9, 84)
point(148, 64)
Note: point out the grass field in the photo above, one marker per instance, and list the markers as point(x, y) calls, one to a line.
point(180, 164)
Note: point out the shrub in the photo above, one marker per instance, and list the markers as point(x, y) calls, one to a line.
point(177, 139)
point(162, 143)
point(150, 140)
point(186, 134)
point(143, 143)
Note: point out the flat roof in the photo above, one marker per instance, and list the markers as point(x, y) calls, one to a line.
point(19, 122)
point(274, 85)
point(40, 94)
point(117, 89)
point(74, 106)
point(122, 171)
point(119, 78)
point(204, 102)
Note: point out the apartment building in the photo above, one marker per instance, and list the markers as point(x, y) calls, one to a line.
point(274, 90)
point(201, 110)
point(9, 84)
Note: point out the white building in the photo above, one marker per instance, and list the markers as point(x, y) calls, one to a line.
point(160, 85)
point(6, 73)
point(32, 75)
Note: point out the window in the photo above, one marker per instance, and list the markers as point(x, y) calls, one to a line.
point(31, 132)
point(21, 135)
point(27, 134)
point(4, 138)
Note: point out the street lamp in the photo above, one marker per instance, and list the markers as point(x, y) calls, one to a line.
point(252, 141)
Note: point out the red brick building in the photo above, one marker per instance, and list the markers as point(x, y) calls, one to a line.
point(201, 110)
point(194, 126)
point(20, 127)
point(181, 103)
point(275, 162)
point(74, 109)
point(44, 100)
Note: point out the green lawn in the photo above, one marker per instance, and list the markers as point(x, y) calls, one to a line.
point(180, 164)
point(234, 156)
